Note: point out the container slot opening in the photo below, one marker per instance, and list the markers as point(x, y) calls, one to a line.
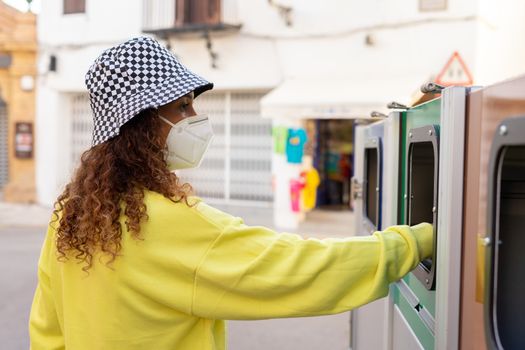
point(421, 186)
point(510, 252)
point(371, 163)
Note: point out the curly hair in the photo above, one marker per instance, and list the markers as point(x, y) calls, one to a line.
point(110, 181)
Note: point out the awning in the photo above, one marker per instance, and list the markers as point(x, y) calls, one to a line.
point(314, 98)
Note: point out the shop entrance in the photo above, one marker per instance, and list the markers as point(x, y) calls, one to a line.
point(333, 159)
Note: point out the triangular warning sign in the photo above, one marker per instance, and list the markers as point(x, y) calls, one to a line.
point(455, 72)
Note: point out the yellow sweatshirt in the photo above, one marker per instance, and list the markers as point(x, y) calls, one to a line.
point(197, 266)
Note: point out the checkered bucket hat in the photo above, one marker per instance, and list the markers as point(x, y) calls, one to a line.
point(134, 76)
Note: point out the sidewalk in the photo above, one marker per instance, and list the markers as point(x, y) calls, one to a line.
point(319, 223)
point(24, 215)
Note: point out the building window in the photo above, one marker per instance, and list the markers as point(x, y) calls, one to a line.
point(198, 12)
point(432, 5)
point(74, 6)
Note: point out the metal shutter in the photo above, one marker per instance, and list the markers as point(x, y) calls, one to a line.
point(237, 165)
point(81, 127)
point(251, 150)
point(208, 180)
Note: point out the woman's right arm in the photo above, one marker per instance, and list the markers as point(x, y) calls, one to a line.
point(255, 273)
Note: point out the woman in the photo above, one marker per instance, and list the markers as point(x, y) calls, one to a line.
point(133, 261)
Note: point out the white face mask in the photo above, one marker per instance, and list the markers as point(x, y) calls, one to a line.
point(187, 141)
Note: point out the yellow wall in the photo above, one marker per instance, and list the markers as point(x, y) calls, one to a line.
point(18, 39)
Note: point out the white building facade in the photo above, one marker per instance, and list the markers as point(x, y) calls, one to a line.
point(275, 63)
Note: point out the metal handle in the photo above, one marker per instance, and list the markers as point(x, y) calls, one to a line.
point(396, 105)
point(431, 88)
point(357, 189)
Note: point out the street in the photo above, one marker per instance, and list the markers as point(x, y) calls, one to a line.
point(19, 251)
